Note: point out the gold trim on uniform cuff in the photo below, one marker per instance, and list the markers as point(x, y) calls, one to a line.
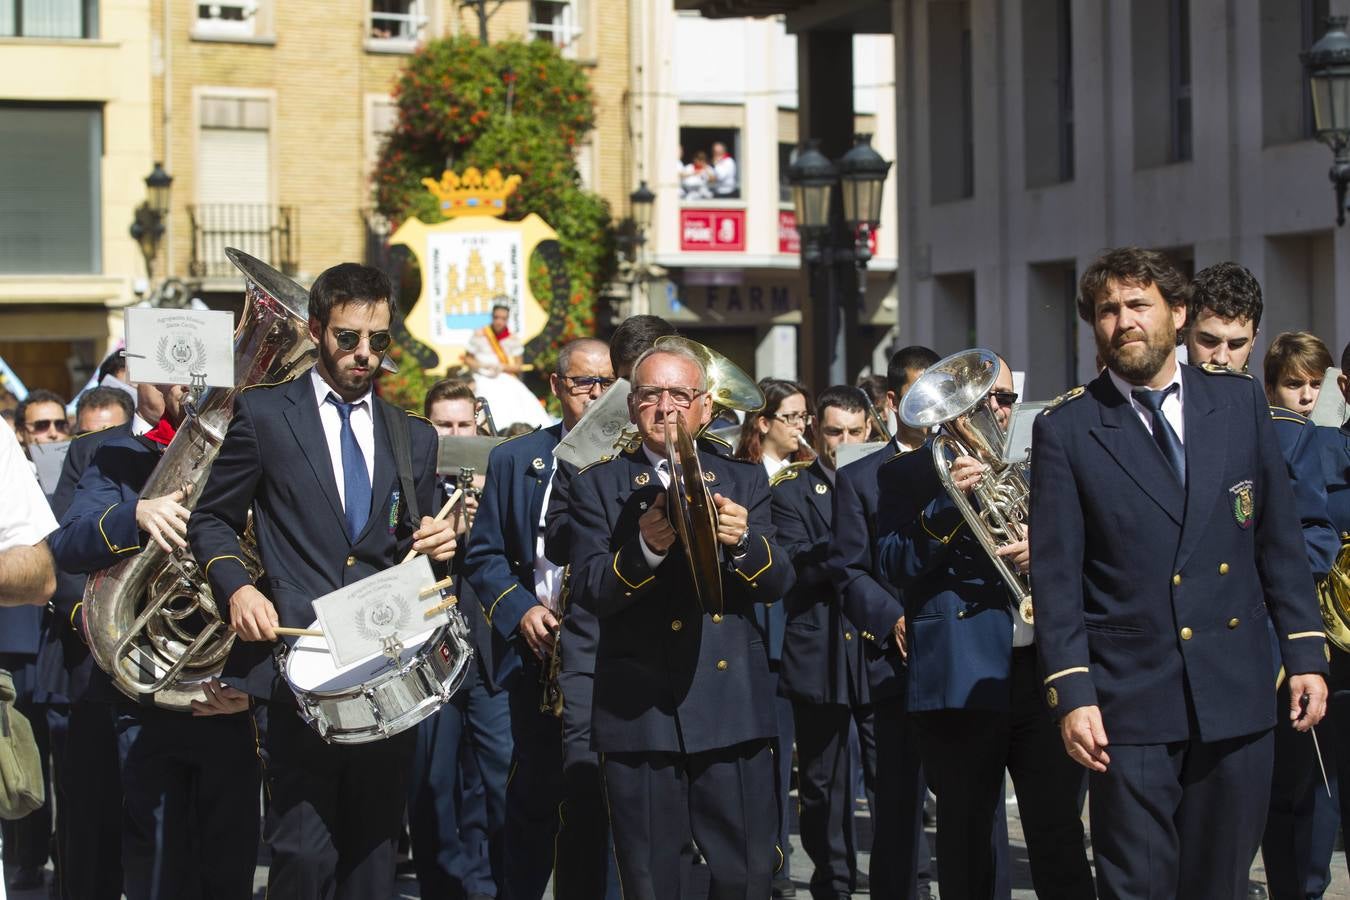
point(1305, 634)
point(206, 569)
point(493, 608)
point(765, 568)
point(1062, 672)
point(625, 580)
point(111, 546)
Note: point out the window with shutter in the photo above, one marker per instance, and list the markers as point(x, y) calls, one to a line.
point(50, 193)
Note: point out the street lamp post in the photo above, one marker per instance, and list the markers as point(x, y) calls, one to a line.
point(147, 228)
point(631, 238)
point(1328, 66)
point(832, 234)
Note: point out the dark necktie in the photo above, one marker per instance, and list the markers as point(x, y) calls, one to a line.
point(355, 478)
point(1163, 435)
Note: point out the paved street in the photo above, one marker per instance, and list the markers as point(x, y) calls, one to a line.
point(801, 869)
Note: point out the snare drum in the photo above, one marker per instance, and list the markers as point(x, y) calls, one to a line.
point(376, 698)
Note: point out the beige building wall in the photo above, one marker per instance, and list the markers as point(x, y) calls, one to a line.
point(112, 70)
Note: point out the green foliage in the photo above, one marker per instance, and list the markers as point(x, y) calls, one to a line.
point(407, 387)
point(518, 106)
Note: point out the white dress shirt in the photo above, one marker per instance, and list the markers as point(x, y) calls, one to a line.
point(547, 576)
point(1171, 408)
point(363, 426)
point(724, 171)
point(773, 465)
point(25, 517)
point(662, 467)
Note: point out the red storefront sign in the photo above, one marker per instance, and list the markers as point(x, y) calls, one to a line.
point(789, 241)
point(712, 229)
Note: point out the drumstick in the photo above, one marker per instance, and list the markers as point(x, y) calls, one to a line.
point(445, 510)
point(297, 632)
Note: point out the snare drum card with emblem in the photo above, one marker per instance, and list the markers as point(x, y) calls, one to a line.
point(363, 618)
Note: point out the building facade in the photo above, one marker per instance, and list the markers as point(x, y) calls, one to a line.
point(75, 147)
point(1181, 125)
point(728, 264)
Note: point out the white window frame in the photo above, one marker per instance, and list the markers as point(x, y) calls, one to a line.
point(211, 26)
point(565, 31)
point(415, 19)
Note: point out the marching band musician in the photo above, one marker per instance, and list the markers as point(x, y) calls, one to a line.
point(890, 755)
point(1166, 535)
point(820, 670)
point(974, 696)
point(683, 716)
point(189, 781)
point(314, 460)
point(457, 799)
point(506, 566)
point(774, 437)
point(1302, 821)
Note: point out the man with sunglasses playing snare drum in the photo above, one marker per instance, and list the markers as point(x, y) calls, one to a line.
point(313, 459)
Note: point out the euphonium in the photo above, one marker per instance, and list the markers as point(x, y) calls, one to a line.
point(952, 393)
point(1333, 595)
point(152, 623)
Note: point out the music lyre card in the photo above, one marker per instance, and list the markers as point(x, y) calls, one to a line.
point(169, 346)
point(358, 620)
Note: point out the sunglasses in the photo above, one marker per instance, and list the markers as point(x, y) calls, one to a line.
point(41, 425)
point(1003, 398)
point(348, 340)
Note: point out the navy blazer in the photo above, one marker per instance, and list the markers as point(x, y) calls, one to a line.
point(1152, 600)
point(869, 500)
point(1330, 450)
point(98, 530)
point(820, 647)
point(274, 461)
point(958, 611)
point(580, 627)
point(670, 675)
point(1298, 442)
point(499, 562)
point(64, 662)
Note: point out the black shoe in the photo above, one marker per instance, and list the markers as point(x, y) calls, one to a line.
point(1256, 891)
point(783, 887)
point(27, 878)
point(862, 884)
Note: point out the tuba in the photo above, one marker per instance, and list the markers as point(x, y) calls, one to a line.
point(951, 394)
point(1333, 595)
point(152, 622)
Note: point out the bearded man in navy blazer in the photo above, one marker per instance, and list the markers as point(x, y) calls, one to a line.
point(313, 460)
point(684, 710)
point(1165, 542)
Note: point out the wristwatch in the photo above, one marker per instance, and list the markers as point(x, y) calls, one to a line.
point(741, 547)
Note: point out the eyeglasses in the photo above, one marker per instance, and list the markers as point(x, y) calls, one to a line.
point(683, 397)
point(795, 418)
point(41, 425)
point(582, 384)
point(348, 340)
point(1003, 398)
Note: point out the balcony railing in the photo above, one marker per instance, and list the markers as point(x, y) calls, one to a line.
point(49, 18)
point(271, 233)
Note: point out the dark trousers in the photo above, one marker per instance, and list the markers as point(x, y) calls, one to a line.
point(457, 793)
point(189, 804)
point(783, 771)
point(825, 797)
point(28, 840)
point(533, 789)
point(335, 812)
point(965, 753)
point(89, 794)
point(722, 799)
point(584, 868)
point(1302, 820)
point(891, 764)
point(1181, 819)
